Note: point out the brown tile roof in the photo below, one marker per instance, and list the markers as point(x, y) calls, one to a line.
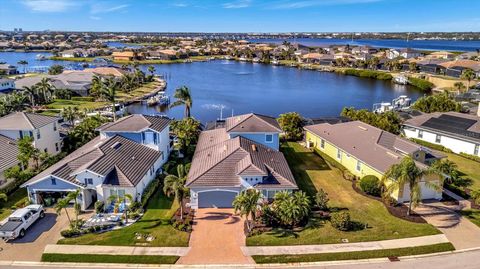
point(219, 161)
point(120, 160)
point(252, 123)
point(374, 147)
point(9, 153)
point(25, 121)
point(136, 123)
point(462, 63)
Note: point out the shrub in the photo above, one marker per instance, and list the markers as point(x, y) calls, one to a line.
point(370, 184)
point(341, 221)
point(83, 99)
point(321, 199)
point(431, 145)
point(469, 156)
point(70, 233)
point(348, 175)
point(422, 84)
point(22, 203)
point(99, 206)
point(149, 191)
point(437, 103)
point(368, 74)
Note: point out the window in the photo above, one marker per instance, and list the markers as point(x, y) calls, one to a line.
point(269, 138)
point(420, 134)
point(322, 144)
point(339, 154)
point(438, 139)
point(477, 148)
point(54, 181)
point(38, 134)
point(155, 140)
point(89, 181)
point(54, 126)
point(359, 166)
point(56, 146)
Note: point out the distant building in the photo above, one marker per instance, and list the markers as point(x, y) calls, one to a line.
point(6, 84)
point(8, 69)
point(124, 55)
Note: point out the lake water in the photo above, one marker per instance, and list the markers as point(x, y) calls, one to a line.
point(250, 87)
point(449, 45)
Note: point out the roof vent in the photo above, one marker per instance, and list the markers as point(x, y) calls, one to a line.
point(225, 147)
point(133, 158)
point(363, 128)
point(116, 145)
point(254, 147)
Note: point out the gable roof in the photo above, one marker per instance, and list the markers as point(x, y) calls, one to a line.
point(25, 121)
point(136, 123)
point(373, 146)
point(252, 123)
point(9, 153)
point(220, 161)
point(121, 161)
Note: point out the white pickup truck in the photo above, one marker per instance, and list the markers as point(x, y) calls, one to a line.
point(19, 221)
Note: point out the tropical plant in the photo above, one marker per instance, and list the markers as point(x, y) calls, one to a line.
point(32, 94)
point(109, 91)
point(3, 197)
point(291, 123)
point(459, 86)
point(55, 69)
point(26, 150)
point(341, 220)
point(291, 209)
point(246, 204)
point(412, 66)
point(437, 103)
point(184, 98)
point(448, 168)
point(125, 199)
point(70, 114)
point(469, 75)
point(388, 121)
point(151, 69)
point(175, 185)
point(187, 131)
point(46, 89)
point(82, 133)
point(408, 173)
point(73, 196)
point(321, 199)
point(63, 204)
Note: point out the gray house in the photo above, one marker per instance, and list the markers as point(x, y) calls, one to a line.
point(241, 154)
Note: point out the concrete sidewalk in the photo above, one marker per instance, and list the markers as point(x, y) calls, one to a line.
point(346, 247)
point(116, 250)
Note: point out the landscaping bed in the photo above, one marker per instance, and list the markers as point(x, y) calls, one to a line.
point(313, 173)
point(97, 258)
point(355, 255)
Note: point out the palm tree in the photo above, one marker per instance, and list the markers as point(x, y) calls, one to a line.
point(24, 64)
point(151, 69)
point(46, 88)
point(109, 90)
point(459, 86)
point(183, 97)
point(246, 203)
point(63, 204)
point(32, 93)
point(70, 114)
point(291, 209)
point(407, 172)
point(175, 185)
point(469, 75)
point(73, 195)
point(127, 198)
point(448, 168)
point(3, 197)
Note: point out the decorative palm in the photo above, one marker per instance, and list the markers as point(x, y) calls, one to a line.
point(127, 198)
point(459, 86)
point(32, 93)
point(109, 90)
point(151, 69)
point(246, 203)
point(447, 168)
point(70, 114)
point(73, 195)
point(469, 75)
point(407, 172)
point(63, 204)
point(291, 209)
point(175, 185)
point(183, 97)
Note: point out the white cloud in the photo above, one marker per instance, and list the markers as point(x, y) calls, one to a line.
point(180, 5)
point(238, 4)
point(310, 3)
point(49, 5)
point(106, 8)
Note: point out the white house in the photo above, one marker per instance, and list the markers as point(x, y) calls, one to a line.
point(240, 154)
point(456, 131)
point(406, 53)
point(8, 158)
point(6, 84)
point(114, 163)
point(43, 130)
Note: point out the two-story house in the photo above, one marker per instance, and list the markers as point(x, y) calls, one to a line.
point(43, 129)
point(126, 156)
point(366, 150)
point(240, 154)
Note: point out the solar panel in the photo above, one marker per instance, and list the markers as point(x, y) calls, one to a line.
point(451, 127)
point(458, 121)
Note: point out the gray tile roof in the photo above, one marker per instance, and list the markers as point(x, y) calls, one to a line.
point(252, 123)
point(122, 161)
point(371, 145)
point(220, 161)
point(9, 153)
point(136, 123)
point(25, 121)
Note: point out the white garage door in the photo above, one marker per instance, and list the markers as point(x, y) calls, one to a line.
point(220, 199)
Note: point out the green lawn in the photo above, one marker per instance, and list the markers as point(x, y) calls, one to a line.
point(62, 103)
point(94, 258)
point(312, 173)
point(155, 222)
point(13, 198)
point(137, 93)
point(470, 168)
point(370, 254)
point(473, 215)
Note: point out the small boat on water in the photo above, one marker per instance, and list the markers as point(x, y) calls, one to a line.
point(275, 62)
point(243, 59)
point(400, 103)
point(107, 111)
point(160, 98)
point(40, 57)
point(9, 50)
point(401, 79)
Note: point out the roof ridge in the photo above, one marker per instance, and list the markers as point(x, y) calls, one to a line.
point(28, 119)
point(249, 116)
point(257, 115)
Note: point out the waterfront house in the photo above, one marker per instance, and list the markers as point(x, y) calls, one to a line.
point(43, 130)
point(455, 68)
point(124, 55)
point(123, 159)
point(312, 58)
point(446, 55)
point(8, 158)
point(406, 53)
point(6, 84)
point(8, 69)
point(431, 66)
point(366, 150)
point(456, 131)
point(240, 153)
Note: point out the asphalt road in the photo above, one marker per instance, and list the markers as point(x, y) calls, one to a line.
point(459, 260)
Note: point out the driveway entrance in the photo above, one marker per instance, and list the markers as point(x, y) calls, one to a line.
point(216, 239)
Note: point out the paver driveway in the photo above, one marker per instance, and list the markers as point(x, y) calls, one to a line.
point(216, 239)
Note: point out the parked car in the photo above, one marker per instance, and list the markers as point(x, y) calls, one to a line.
point(16, 225)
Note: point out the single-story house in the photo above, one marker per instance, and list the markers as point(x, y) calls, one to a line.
point(366, 150)
point(455, 68)
point(456, 131)
point(240, 154)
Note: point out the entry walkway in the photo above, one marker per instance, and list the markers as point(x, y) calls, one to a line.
point(116, 250)
point(217, 238)
point(346, 247)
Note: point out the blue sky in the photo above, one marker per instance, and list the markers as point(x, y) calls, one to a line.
point(241, 15)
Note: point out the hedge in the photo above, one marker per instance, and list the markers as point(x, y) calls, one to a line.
point(368, 74)
point(83, 99)
point(370, 184)
point(150, 190)
point(431, 145)
point(470, 156)
point(422, 84)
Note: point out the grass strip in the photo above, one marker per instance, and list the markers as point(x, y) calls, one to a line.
point(97, 258)
point(355, 255)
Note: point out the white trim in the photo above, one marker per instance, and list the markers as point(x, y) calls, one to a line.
point(212, 190)
point(46, 177)
point(435, 131)
point(51, 190)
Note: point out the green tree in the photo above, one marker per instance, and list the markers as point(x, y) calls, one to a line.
point(55, 69)
point(74, 196)
point(321, 199)
point(291, 209)
point(388, 121)
point(448, 168)
point(187, 131)
point(3, 197)
point(292, 124)
point(459, 86)
point(184, 98)
point(125, 199)
point(407, 172)
point(175, 185)
point(412, 66)
point(437, 103)
point(26, 150)
point(475, 194)
point(63, 204)
point(246, 204)
point(109, 92)
point(46, 88)
point(469, 75)
point(32, 94)
point(70, 114)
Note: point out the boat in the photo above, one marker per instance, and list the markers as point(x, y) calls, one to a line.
point(107, 111)
point(160, 98)
point(400, 103)
point(275, 62)
point(400, 79)
point(243, 59)
point(9, 50)
point(40, 57)
point(382, 107)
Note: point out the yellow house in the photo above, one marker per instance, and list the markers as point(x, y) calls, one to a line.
point(367, 150)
